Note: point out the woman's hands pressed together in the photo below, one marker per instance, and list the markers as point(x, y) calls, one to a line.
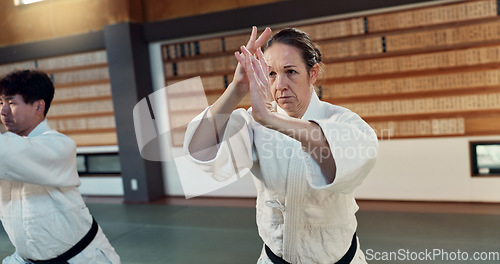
point(257, 72)
point(240, 79)
point(204, 144)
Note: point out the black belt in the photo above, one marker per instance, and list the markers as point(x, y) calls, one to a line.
point(75, 250)
point(346, 259)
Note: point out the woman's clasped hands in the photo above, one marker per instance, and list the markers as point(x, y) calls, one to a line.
point(253, 66)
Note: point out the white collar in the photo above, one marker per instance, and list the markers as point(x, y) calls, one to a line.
point(41, 128)
point(312, 109)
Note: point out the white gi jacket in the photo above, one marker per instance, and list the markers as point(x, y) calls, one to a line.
point(299, 216)
point(41, 207)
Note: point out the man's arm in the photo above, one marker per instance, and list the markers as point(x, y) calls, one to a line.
point(48, 159)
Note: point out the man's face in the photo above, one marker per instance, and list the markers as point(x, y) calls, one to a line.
point(17, 116)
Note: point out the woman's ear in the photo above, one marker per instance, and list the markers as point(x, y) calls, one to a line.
point(314, 73)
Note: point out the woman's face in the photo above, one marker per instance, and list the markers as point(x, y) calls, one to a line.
point(291, 83)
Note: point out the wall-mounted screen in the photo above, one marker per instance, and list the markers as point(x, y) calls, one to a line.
point(485, 158)
point(98, 163)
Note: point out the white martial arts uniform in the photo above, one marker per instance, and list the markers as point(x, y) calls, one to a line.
point(41, 207)
point(299, 216)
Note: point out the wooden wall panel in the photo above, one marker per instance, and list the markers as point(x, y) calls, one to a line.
point(60, 18)
point(483, 124)
point(82, 107)
point(167, 9)
point(53, 19)
point(421, 72)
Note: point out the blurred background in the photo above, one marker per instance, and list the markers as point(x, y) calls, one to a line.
point(424, 74)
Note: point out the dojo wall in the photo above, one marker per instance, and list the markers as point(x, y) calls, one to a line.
point(428, 170)
point(63, 32)
point(413, 165)
point(424, 168)
point(54, 19)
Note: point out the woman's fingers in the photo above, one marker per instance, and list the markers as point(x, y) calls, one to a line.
point(263, 64)
point(258, 78)
point(254, 43)
point(263, 38)
point(256, 68)
point(242, 58)
point(254, 65)
point(245, 60)
point(253, 36)
point(265, 73)
point(259, 66)
point(239, 57)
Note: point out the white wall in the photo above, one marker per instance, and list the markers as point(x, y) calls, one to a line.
point(435, 169)
point(101, 186)
point(428, 169)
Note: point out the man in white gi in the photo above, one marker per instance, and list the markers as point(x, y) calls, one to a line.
point(41, 207)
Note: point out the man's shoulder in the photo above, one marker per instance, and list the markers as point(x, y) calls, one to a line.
point(55, 135)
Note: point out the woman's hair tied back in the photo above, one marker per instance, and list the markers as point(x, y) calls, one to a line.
point(300, 40)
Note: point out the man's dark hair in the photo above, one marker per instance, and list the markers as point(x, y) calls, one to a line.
point(32, 85)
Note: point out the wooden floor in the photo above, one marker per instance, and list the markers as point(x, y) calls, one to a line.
point(365, 205)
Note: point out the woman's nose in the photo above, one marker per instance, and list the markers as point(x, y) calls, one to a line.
point(280, 83)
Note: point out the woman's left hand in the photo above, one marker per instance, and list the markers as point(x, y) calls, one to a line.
point(263, 112)
point(257, 72)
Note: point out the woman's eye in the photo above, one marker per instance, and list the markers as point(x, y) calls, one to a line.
point(272, 74)
point(291, 72)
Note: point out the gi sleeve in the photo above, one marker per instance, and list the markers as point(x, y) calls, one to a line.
point(234, 155)
point(48, 159)
point(354, 146)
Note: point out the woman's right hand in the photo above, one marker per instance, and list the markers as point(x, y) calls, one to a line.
point(204, 143)
point(240, 80)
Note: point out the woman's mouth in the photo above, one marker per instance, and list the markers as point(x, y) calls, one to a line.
point(281, 98)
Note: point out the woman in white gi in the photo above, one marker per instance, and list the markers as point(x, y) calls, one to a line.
point(306, 156)
point(41, 208)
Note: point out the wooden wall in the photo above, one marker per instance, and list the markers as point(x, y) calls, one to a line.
point(421, 72)
point(59, 18)
point(429, 71)
point(83, 107)
point(156, 10)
